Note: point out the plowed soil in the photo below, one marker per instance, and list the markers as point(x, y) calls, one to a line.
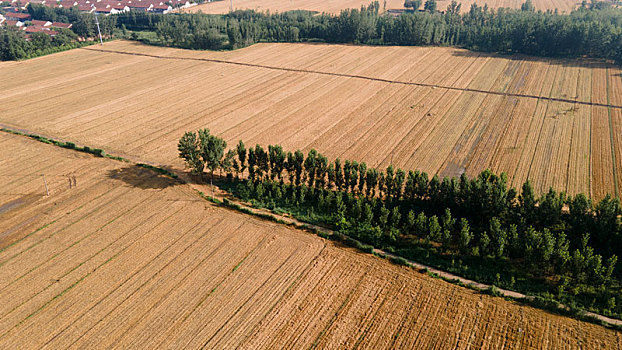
point(335, 6)
point(129, 259)
point(441, 110)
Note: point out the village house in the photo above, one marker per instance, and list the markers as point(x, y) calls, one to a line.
point(61, 25)
point(108, 7)
point(11, 23)
point(42, 24)
point(33, 29)
point(86, 8)
point(22, 17)
point(161, 8)
point(103, 7)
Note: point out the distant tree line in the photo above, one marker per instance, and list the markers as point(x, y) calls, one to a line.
point(567, 245)
point(594, 30)
point(14, 46)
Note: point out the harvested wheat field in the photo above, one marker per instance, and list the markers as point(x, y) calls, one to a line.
point(327, 6)
point(335, 6)
point(129, 259)
point(562, 6)
point(441, 110)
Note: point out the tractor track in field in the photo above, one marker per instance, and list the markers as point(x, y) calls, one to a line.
point(354, 76)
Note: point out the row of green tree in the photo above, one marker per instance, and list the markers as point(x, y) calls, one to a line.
point(568, 244)
point(590, 30)
point(594, 31)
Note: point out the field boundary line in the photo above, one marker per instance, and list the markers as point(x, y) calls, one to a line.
point(355, 76)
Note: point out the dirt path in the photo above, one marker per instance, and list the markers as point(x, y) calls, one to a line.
point(389, 81)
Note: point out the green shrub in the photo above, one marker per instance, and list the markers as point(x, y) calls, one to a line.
point(494, 291)
point(323, 234)
point(367, 248)
point(399, 260)
point(338, 236)
point(99, 152)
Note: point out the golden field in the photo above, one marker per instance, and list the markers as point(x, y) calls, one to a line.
point(441, 110)
point(130, 259)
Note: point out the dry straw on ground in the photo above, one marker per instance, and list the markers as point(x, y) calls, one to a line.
point(335, 6)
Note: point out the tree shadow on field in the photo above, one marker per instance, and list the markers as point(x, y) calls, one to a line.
point(140, 177)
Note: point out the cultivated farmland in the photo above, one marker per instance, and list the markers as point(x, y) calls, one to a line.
point(441, 110)
point(129, 259)
point(330, 6)
point(335, 6)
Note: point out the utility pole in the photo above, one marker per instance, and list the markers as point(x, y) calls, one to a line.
point(101, 42)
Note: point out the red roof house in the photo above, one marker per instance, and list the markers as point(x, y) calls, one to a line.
point(41, 23)
point(61, 25)
point(18, 16)
point(35, 29)
point(9, 23)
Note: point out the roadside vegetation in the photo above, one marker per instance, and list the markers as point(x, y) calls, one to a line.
point(556, 247)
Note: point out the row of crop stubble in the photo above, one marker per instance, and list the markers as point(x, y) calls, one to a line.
point(128, 259)
point(122, 103)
